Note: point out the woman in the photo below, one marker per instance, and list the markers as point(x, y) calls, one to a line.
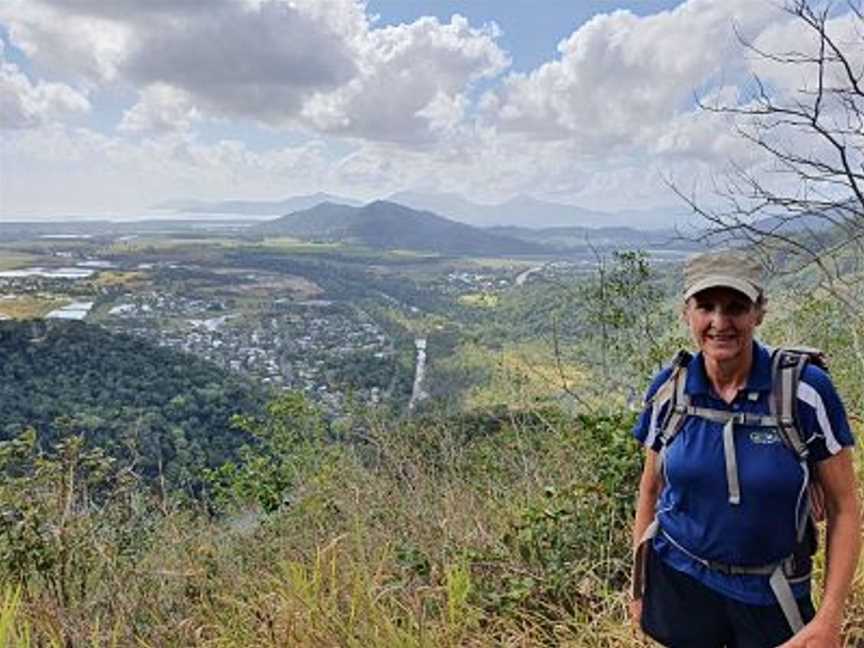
point(722, 516)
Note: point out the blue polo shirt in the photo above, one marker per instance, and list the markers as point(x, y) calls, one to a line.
point(693, 508)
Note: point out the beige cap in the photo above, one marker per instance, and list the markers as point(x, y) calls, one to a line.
point(730, 269)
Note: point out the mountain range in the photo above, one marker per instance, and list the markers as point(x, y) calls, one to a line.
point(520, 211)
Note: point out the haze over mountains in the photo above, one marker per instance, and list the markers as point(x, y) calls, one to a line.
point(255, 207)
point(445, 224)
point(520, 211)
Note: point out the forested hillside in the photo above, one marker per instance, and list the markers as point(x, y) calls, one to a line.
point(166, 412)
point(387, 226)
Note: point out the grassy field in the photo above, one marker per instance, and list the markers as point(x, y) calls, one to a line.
point(27, 307)
point(115, 278)
point(463, 539)
point(499, 263)
point(289, 244)
point(479, 300)
point(522, 375)
point(12, 260)
point(163, 245)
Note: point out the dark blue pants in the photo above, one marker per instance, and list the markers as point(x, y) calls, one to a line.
point(680, 612)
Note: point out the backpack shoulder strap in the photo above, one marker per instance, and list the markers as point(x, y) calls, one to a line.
point(787, 365)
point(671, 400)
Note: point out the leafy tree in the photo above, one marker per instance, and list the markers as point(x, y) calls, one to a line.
point(61, 513)
point(628, 332)
point(290, 441)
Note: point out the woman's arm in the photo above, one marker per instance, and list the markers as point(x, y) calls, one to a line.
point(649, 489)
point(650, 485)
point(837, 477)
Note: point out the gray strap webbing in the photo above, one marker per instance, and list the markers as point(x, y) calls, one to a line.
point(729, 419)
point(731, 463)
point(741, 418)
point(679, 407)
point(783, 592)
point(775, 386)
point(786, 373)
point(651, 531)
point(801, 523)
point(679, 401)
point(738, 570)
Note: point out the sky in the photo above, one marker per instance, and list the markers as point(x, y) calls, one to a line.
point(108, 107)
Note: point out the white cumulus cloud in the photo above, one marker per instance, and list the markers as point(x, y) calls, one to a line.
point(410, 78)
point(28, 104)
point(321, 64)
point(161, 108)
point(621, 78)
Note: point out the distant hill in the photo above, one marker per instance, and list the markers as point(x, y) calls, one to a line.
point(385, 225)
point(255, 207)
point(601, 238)
point(521, 211)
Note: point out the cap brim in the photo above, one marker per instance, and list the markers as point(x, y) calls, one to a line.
point(725, 281)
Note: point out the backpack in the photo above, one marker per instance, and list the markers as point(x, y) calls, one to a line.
point(670, 399)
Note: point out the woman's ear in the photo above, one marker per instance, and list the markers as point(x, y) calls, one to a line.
point(761, 308)
point(760, 315)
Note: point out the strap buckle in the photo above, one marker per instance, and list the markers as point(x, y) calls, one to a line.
point(789, 566)
point(723, 568)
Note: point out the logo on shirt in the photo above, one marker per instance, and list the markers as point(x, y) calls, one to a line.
point(765, 437)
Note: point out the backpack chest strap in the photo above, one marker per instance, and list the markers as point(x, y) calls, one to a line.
point(739, 418)
point(729, 420)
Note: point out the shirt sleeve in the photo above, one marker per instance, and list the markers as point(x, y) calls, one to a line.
point(822, 416)
point(645, 430)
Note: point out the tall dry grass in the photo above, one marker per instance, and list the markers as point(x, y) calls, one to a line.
point(430, 533)
point(425, 533)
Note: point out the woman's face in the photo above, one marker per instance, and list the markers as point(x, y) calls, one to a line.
point(722, 322)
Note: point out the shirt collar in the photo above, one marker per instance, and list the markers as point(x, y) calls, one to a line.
point(759, 379)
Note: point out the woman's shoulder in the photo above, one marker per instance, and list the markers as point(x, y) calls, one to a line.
point(816, 376)
point(816, 380)
point(659, 379)
point(821, 412)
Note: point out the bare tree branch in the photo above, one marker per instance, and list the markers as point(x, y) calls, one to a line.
point(807, 209)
